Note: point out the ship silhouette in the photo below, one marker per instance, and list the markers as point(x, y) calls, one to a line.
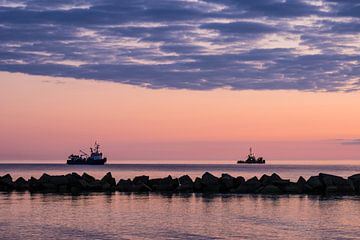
point(95, 157)
point(251, 159)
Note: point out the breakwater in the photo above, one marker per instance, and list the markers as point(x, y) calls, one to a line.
point(322, 184)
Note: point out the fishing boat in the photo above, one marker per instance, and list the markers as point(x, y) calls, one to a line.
point(251, 159)
point(95, 157)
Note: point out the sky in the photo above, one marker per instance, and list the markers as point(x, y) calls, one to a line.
point(180, 79)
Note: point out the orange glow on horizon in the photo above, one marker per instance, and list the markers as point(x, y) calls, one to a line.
point(56, 113)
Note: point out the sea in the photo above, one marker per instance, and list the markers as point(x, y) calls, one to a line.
point(179, 216)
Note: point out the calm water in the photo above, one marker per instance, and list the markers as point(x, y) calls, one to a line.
point(178, 216)
point(152, 216)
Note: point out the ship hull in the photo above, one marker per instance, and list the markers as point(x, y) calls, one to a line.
point(242, 162)
point(87, 162)
point(245, 162)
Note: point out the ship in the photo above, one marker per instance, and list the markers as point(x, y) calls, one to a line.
point(95, 157)
point(251, 159)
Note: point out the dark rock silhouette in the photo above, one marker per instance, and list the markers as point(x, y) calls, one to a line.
point(186, 184)
point(322, 184)
point(227, 183)
point(210, 183)
point(355, 180)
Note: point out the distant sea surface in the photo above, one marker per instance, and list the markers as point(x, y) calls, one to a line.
point(179, 216)
point(129, 169)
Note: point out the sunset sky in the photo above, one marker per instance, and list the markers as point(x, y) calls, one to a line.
point(180, 79)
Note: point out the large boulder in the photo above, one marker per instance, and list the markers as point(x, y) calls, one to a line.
point(198, 185)
point(186, 184)
point(265, 180)
point(278, 181)
point(21, 184)
point(274, 179)
point(227, 182)
point(238, 181)
point(54, 180)
point(210, 183)
point(167, 184)
point(252, 185)
point(314, 185)
point(336, 185)
point(34, 185)
point(73, 180)
point(355, 180)
point(88, 178)
point(141, 180)
point(95, 186)
point(6, 183)
point(124, 185)
point(108, 178)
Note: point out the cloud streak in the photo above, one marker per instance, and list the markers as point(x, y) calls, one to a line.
point(187, 44)
point(350, 141)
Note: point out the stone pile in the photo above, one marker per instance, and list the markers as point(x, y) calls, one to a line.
point(322, 184)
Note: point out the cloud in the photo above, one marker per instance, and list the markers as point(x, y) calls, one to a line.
point(349, 141)
point(186, 44)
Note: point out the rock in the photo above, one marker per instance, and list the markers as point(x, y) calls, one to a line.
point(95, 186)
point(59, 180)
point(355, 179)
point(34, 184)
point(209, 179)
point(73, 180)
point(227, 182)
point(124, 185)
point(278, 181)
point(6, 183)
point(336, 185)
point(249, 186)
point(210, 183)
point(106, 187)
point(84, 185)
point(292, 188)
point(141, 179)
point(265, 180)
point(164, 184)
point(108, 178)
point(315, 185)
point(274, 179)
point(49, 183)
point(242, 188)
point(88, 178)
point(238, 180)
point(185, 184)
point(271, 189)
point(21, 184)
point(197, 185)
point(252, 184)
point(142, 187)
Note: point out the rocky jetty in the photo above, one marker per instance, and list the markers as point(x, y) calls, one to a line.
point(322, 184)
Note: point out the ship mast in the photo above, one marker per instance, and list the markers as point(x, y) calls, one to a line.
point(251, 153)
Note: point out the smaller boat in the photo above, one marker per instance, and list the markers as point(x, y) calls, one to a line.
point(95, 158)
point(251, 159)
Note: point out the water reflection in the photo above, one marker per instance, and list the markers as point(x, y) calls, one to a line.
point(177, 216)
